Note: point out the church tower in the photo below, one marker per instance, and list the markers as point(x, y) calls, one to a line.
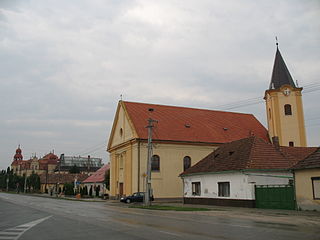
point(284, 107)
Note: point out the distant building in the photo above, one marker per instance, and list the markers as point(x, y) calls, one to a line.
point(50, 163)
point(54, 183)
point(46, 164)
point(84, 164)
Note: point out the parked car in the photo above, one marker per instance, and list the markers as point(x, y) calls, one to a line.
point(136, 197)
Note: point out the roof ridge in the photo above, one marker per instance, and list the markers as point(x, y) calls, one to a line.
point(193, 108)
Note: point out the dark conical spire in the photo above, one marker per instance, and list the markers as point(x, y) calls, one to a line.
point(280, 74)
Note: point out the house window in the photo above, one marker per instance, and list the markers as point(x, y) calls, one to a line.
point(196, 189)
point(287, 109)
point(291, 144)
point(316, 187)
point(224, 189)
point(155, 163)
point(186, 163)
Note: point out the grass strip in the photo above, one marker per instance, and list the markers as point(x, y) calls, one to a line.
point(169, 208)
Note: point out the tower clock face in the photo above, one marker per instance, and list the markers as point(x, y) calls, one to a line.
point(286, 92)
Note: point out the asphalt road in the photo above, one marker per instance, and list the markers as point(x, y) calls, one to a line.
point(28, 217)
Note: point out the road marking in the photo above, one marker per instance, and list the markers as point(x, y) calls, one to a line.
point(16, 232)
point(170, 233)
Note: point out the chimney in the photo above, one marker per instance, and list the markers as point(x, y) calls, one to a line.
point(275, 141)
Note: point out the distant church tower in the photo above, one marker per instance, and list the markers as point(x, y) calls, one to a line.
point(284, 107)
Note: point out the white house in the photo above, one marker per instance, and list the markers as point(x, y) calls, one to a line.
point(96, 182)
point(229, 175)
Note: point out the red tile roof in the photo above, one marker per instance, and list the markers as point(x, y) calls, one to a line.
point(193, 125)
point(98, 176)
point(249, 153)
point(62, 178)
point(312, 161)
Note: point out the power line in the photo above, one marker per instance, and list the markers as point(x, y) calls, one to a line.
point(252, 101)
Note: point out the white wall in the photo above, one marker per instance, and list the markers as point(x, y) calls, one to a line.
point(241, 184)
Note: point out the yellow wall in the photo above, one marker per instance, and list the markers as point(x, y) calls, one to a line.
point(287, 127)
point(304, 192)
point(128, 158)
point(166, 183)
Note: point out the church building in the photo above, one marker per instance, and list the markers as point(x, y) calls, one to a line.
point(183, 136)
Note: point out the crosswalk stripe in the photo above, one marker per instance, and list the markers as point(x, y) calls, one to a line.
point(16, 232)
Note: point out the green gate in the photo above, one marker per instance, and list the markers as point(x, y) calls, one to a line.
point(275, 197)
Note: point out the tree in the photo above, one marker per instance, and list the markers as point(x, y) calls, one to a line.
point(107, 179)
point(33, 182)
point(74, 169)
point(90, 191)
point(68, 189)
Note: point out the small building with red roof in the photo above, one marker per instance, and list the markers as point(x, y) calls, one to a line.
point(182, 136)
point(230, 174)
point(97, 181)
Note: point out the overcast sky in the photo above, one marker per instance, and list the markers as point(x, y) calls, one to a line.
point(64, 64)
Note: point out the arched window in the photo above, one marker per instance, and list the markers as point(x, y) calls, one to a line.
point(186, 163)
point(155, 163)
point(287, 109)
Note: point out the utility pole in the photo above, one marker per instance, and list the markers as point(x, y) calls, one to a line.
point(148, 177)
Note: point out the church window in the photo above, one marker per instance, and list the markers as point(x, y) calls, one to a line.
point(155, 163)
point(291, 144)
point(186, 163)
point(269, 113)
point(287, 109)
point(121, 132)
point(121, 162)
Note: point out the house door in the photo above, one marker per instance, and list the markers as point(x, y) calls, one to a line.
point(121, 189)
point(275, 197)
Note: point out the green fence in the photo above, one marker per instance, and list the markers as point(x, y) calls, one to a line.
point(275, 196)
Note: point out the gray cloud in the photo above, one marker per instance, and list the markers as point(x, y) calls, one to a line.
point(64, 64)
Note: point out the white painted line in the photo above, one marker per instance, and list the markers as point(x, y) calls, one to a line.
point(7, 238)
point(7, 233)
point(16, 232)
point(170, 233)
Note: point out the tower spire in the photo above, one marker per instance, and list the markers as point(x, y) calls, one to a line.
point(280, 74)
